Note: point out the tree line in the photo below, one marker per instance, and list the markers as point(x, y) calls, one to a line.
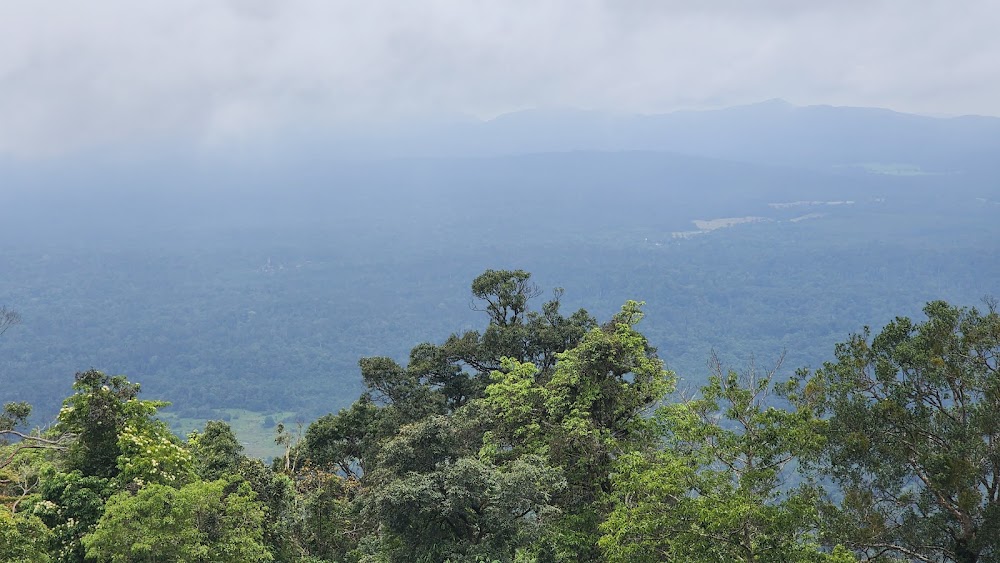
point(547, 436)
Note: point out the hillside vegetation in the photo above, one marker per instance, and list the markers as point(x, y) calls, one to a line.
point(549, 435)
point(256, 281)
point(758, 334)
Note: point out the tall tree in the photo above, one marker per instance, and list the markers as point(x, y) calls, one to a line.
point(440, 379)
point(493, 441)
point(913, 436)
point(581, 417)
point(117, 444)
point(97, 413)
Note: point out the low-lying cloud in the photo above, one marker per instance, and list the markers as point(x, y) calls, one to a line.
point(82, 74)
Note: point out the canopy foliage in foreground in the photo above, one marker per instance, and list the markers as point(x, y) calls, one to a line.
point(545, 437)
point(913, 437)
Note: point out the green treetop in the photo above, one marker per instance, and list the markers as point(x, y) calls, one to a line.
point(914, 437)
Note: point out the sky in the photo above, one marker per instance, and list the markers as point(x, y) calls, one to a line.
point(76, 75)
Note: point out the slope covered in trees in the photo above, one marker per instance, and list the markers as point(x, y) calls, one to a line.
point(546, 436)
point(258, 286)
point(254, 279)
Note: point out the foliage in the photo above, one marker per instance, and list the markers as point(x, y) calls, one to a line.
point(213, 521)
point(150, 453)
point(516, 332)
point(216, 451)
point(14, 415)
point(276, 492)
point(583, 416)
point(434, 500)
point(914, 423)
point(328, 526)
point(532, 440)
point(14, 441)
point(345, 441)
point(98, 413)
point(70, 505)
point(414, 441)
point(23, 538)
point(21, 479)
point(716, 491)
point(218, 455)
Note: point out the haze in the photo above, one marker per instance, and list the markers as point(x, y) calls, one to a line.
point(113, 73)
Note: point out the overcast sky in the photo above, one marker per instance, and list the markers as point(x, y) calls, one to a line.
point(79, 74)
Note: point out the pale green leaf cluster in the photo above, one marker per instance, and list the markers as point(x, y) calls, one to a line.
point(152, 454)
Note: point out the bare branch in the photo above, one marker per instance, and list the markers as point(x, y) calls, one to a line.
point(33, 442)
point(8, 318)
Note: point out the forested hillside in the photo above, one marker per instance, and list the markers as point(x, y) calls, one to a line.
point(685, 375)
point(245, 286)
point(499, 282)
point(547, 434)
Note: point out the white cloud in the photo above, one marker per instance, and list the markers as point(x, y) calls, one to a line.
point(85, 73)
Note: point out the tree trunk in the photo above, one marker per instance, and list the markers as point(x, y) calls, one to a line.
point(964, 553)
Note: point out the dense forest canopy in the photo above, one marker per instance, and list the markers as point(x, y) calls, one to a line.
point(614, 404)
point(545, 436)
point(494, 282)
point(247, 287)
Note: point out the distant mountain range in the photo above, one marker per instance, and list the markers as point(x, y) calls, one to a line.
point(724, 159)
point(773, 132)
point(770, 132)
